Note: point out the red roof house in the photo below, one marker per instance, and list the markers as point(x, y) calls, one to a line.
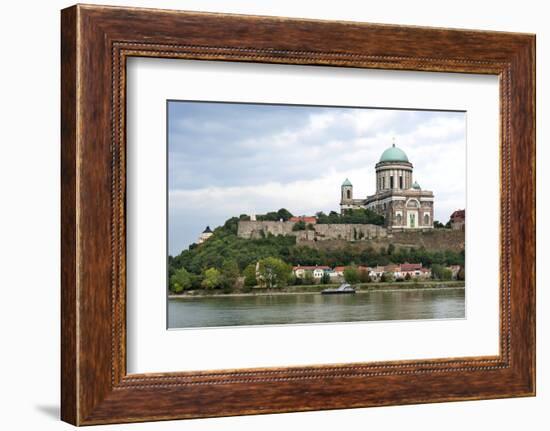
point(305, 219)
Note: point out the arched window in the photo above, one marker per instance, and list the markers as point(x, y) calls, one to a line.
point(426, 219)
point(348, 193)
point(412, 203)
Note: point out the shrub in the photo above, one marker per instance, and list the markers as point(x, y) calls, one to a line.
point(299, 225)
point(212, 279)
point(387, 277)
point(229, 273)
point(250, 276)
point(180, 281)
point(308, 278)
point(364, 276)
point(273, 272)
point(439, 272)
point(351, 275)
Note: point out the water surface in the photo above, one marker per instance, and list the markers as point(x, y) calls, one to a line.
point(193, 312)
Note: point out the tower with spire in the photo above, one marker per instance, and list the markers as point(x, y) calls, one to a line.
point(206, 233)
point(346, 196)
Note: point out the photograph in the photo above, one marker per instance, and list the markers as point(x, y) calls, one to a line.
point(300, 214)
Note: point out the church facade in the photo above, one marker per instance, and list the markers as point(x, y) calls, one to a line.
point(402, 202)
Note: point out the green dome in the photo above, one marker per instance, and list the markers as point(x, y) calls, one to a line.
point(346, 183)
point(416, 186)
point(394, 154)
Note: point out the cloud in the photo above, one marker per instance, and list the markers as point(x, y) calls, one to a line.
point(230, 159)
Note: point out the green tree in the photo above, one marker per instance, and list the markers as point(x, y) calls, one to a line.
point(364, 276)
point(352, 216)
point(229, 273)
point(212, 279)
point(387, 277)
point(461, 274)
point(299, 225)
point(284, 214)
point(325, 279)
point(231, 225)
point(439, 272)
point(250, 275)
point(308, 278)
point(438, 225)
point(351, 275)
point(180, 281)
point(273, 272)
point(196, 281)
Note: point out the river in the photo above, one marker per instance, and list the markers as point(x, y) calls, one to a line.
point(195, 312)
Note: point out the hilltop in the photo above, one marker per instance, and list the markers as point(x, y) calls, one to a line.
point(225, 249)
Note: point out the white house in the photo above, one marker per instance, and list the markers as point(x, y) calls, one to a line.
point(376, 272)
point(317, 271)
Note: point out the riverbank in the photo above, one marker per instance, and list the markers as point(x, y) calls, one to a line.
point(317, 288)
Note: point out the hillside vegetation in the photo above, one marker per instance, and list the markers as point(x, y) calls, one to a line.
point(230, 256)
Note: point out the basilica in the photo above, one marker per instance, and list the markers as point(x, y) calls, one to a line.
point(401, 201)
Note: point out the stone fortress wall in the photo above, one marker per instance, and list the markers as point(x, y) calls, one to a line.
point(321, 232)
point(341, 235)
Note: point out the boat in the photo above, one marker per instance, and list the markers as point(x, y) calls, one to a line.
point(341, 290)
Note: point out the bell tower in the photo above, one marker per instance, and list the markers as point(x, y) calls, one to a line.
point(347, 191)
point(346, 195)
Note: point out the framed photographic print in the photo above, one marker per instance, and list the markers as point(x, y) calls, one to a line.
point(348, 257)
point(264, 215)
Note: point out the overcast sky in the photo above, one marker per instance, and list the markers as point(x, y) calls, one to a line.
point(229, 159)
